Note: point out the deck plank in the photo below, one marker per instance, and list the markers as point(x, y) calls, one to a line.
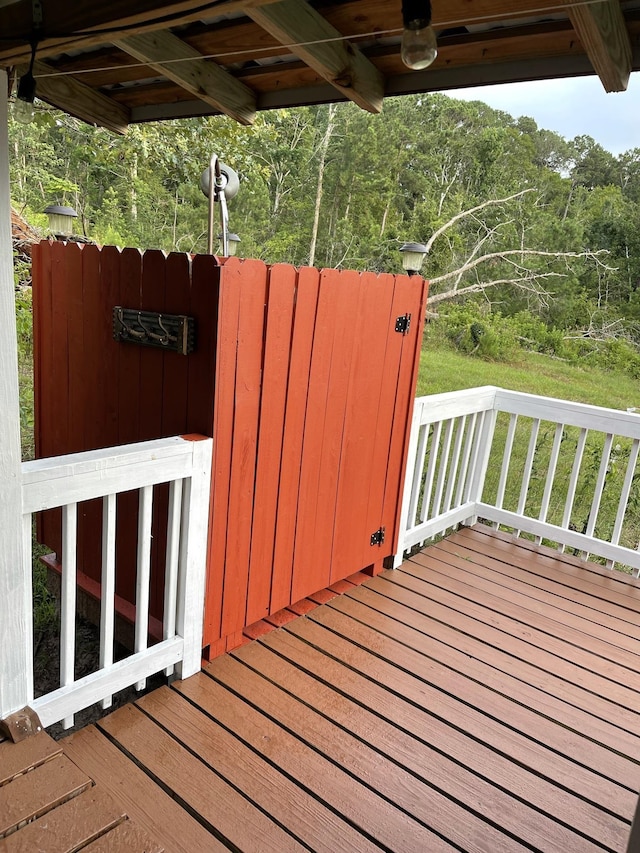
point(125, 838)
point(262, 783)
point(613, 586)
point(35, 793)
point(495, 693)
point(435, 767)
point(224, 811)
point(570, 629)
point(18, 758)
point(148, 805)
point(373, 767)
point(483, 698)
point(71, 826)
point(548, 592)
point(372, 814)
point(409, 684)
point(425, 728)
point(443, 619)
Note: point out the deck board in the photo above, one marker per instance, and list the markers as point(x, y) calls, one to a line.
point(482, 698)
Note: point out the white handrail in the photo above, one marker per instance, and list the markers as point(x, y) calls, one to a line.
point(64, 482)
point(538, 465)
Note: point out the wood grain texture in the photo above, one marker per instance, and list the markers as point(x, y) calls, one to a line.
point(249, 278)
point(275, 388)
point(151, 808)
point(125, 838)
point(603, 32)
point(239, 822)
point(35, 793)
point(18, 758)
point(293, 435)
point(178, 61)
point(71, 826)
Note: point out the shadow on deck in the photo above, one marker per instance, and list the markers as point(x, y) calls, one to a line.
point(481, 698)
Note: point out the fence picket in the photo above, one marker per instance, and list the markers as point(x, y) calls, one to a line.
point(294, 433)
point(277, 344)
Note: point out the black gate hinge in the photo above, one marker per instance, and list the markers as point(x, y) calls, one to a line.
point(403, 323)
point(377, 538)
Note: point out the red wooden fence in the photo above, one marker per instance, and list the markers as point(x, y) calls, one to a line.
point(299, 375)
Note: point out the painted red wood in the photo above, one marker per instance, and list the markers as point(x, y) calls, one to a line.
point(294, 423)
point(299, 376)
point(306, 577)
point(250, 278)
point(352, 529)
point(86, 406)
point(128, 381)
point(277, 349)
point(44, 411)
point(406, 288)
point(225, 367)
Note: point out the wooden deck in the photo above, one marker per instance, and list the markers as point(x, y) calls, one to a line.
point(484, 697)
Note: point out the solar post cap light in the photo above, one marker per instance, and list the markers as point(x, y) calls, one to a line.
point(61, 219)
point(225, 183)
point(413, 255)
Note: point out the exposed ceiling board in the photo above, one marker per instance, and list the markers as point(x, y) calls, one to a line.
point(603, 32)
point(80, 100)
point(236, 56)
point(339, 62)
point(176, 60)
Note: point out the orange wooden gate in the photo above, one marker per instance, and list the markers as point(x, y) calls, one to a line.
point(304, 378)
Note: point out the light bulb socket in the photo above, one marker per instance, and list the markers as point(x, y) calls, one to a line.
point(416, 14)
point(27, 88)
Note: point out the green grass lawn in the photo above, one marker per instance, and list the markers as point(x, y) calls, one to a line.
point(445, 370)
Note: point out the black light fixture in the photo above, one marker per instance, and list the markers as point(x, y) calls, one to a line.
point(413, 255)
point(419, 46)
point(23, 109)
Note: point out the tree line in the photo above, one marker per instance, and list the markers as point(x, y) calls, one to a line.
point(519, 220)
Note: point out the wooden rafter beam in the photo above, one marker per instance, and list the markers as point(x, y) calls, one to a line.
point(602, 30)
point(73, 26)
point(79, 100)
point(175, 59)
point(321, 46)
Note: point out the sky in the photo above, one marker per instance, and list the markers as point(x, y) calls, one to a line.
point(572, 107)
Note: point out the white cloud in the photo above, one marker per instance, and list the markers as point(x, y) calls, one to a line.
point(572, 107)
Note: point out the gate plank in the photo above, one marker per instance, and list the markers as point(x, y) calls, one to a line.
point(294, 431)
point(277, 347)
point(251, 280)
point(352, 533)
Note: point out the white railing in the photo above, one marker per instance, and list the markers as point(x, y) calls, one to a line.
point(68, 480)
point(563, 472)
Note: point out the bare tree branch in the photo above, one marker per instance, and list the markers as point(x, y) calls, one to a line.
point(491, 202)
point(505, 255)
point(526, 282)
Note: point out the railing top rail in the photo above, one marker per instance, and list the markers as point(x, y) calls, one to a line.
point(567, 412)
point(451, 404)
point(95, 473)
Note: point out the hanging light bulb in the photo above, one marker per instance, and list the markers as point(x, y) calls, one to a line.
point(419, 46)
point(23, 108)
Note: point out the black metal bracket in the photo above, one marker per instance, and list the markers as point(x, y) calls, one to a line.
point(403, 323)
point(172, 332)
point(377, 538)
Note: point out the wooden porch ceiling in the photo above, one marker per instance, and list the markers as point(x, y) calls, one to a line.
point(483, 698)
point(114, 63)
